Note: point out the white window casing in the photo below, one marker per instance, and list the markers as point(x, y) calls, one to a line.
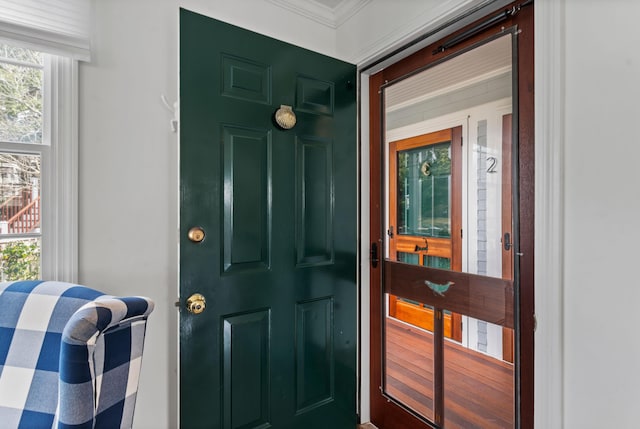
point(61, 29)
point(60, 173)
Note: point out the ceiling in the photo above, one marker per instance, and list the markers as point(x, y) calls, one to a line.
point(329, 3)
point(332, 13)
point(475, 66)
point(481, 64)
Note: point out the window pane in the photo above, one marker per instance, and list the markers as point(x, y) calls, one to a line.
point(437, 262)
point(424, 177)
point(20, 54)
point(409, 258)
point(20, 103)
point(19, 193)
point(20, 259)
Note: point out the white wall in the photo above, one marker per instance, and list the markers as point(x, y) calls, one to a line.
point(602, 348)
point(128, 202)
point(383, 25)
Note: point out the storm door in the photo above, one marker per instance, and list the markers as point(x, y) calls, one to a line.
point(452, 170)
point(445, 241)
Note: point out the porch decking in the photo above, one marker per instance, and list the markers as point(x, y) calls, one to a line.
point(478, 388)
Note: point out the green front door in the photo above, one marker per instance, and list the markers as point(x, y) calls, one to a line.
point(276, 343)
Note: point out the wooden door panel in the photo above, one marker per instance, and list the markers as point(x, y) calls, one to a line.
point(246, 172)
point(246, 364)
point(426, 246)
point(508, 334)
point(314, 203)
point(422, 317)
point(278, 272)
point(315, 376)
point(484, 298)
point(439, 247)
point(507, 192)
point(246, 79)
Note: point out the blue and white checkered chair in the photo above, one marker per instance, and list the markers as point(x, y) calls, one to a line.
point(69, 356)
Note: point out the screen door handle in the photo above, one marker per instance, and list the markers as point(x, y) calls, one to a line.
point(374, 255)
point(507, 241)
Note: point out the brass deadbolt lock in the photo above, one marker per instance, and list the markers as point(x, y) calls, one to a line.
point(196, 234)
point(196, 303)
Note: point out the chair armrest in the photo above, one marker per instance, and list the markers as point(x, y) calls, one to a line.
point(100, 357)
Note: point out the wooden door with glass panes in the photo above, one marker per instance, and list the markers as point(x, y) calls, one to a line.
point(425, 205)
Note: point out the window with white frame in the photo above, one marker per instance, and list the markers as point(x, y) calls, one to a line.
point(41, 42)
point(38, 164)
point(23, 150)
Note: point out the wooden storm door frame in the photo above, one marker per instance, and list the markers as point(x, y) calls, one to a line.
point(508, 346)
point(385, 412)
point(449, 248)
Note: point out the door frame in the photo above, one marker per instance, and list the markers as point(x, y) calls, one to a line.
point(370, 85)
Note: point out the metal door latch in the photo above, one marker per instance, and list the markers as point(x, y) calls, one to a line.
point(374, 255)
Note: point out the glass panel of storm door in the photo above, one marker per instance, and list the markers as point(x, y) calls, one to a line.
point(448, 142)
point(479, 378)
point(473, 91)
point(409, 354)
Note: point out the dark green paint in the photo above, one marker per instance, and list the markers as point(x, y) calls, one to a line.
point(276, 345)
point(314, 207)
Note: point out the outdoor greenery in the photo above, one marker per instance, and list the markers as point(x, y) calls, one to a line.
point(20, 260)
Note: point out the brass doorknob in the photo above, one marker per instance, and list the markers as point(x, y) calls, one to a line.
point(196, 234)
point(196, 303)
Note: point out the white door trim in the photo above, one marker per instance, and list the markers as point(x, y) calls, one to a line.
point(549, 67)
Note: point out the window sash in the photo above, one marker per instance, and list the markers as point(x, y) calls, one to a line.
point(59, 170)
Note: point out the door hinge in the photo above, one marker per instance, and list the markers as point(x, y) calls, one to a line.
point(390, 231)
point(461, 234)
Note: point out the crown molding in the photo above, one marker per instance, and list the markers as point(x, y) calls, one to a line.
point(318, 12)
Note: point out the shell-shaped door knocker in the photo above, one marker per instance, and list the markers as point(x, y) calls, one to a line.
point(285, 117)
